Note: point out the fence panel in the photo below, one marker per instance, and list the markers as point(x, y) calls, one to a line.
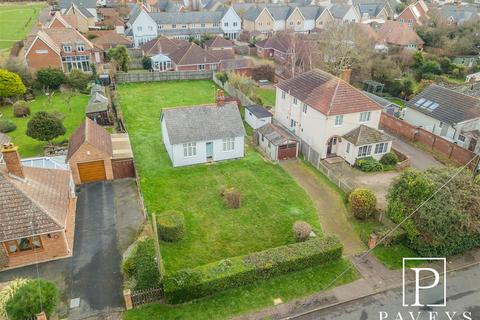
point(141, 297)
point(234, 92)
point(147, 76)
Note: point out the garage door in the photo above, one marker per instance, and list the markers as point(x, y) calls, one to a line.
point(92, 171)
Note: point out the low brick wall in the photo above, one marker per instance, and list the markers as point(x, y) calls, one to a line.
point(403, 160)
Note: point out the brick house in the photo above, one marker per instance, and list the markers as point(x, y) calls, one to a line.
point(273, 48)
point(37, 212)
point(194, 58)
point(396, 34)
point(414, 14)
point(61, 47)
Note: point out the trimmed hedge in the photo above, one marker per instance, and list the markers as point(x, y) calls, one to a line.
point(189, 284)
point(368, 164)
point(171, 226)
point(7, 126)
point(140, 268)
point(389, 158)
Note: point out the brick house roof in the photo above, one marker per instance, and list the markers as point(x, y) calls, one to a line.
point(221, 55)
point(328, 94)
point(106, 39)
point(396, 33)
point(219, 42)
point(366, 135)
point(92, 133)
point(273, 43)
point(163, 45)
point(192, 54)
point(35, 205)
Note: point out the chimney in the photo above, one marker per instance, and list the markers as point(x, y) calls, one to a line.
point(12, 160)
point(220, 99)
point(346, 74)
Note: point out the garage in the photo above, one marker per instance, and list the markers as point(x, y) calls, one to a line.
point(276, 142)
point(92, 171)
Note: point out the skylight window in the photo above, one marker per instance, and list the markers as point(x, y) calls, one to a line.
point(433, 107)
point(419, 102)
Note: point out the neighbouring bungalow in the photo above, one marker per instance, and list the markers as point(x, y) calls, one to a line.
point(107, 39)
point(219, 43)
point(274, 48)
point(257, 116)
point(447, 113)
point(201, 134)
point(276, 142)
point(396, 34)
point(193, 58)
point(37, 212)
point(95, 155)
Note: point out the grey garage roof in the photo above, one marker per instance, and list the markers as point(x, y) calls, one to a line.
point(366, 135)
point(446, 105)
point(259, 111)
point(276, 135)
point(202, 123)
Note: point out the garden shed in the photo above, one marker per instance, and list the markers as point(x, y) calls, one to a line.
point(257, 116)
point(98, 109)
point(276, 142)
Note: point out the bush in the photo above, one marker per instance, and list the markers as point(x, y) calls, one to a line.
point(397, 236)
point(188, 284)
point(7, 126)
point(45, 126)
point(140, 269)
point(363, 203)
point(233, 197)
point(147, 63)
point(368, 164)
point(301, 231)
point(21, 109)
point(389, 159)
point(10, 84)
point(50, 78)
point(78, 80)
point(32, 298)
point(171, 226)
point(7, 292)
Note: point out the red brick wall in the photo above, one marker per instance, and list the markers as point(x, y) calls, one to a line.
point(437, 143)
point(38, 61)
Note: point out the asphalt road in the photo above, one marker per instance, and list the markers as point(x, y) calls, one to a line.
point(463, 295)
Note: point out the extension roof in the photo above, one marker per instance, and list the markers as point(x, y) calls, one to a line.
point(259, 111)
point(92, 133)
point(366, 135)
point(328, 94)
point(276, 135)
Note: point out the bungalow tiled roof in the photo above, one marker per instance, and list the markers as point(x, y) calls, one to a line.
point(106, 39)
point(328, 94)
point(37, 204)
point(219, 42)
point(221, 55)
point(273, 43)
point(366, 135)
point(396, 33)
point(191, 55)
point(162, 45)
point(92, 133)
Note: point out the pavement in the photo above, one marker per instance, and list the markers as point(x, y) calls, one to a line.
point(108, 217)
point(330, 208)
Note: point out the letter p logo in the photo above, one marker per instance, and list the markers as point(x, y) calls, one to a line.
point(426, 281)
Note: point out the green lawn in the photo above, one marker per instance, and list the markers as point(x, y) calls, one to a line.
point(73, 116)
point(267, 95)
point(398, 101)
point(271, 200)
point(16, 20)
point(249, 298)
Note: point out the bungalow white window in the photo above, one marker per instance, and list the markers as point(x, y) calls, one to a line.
point(338, 120)
point(461, 138)
point(381, 147)
point(174, 26)
point(235, 24)
point(293, 123)
point(228, 144)
point(67, 48)
point(76, 62)
point(348, 147)
point(80, 47)
point(365, 116)
point(190, 149)
point(364, 151)
point(411, 46)
point(225, 24)
point(139, 28)
point(295, 100)
point(201, 67)
point(305, 107)
point(283, 95)
point(23, 244)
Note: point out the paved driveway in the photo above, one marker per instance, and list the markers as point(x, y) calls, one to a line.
point(108, 216)
point(418, 158)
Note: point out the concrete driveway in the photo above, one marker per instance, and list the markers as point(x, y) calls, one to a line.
point(108, 217)
point(419, 159)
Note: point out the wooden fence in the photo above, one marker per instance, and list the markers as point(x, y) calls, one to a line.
point(141, 297)
point(436, 143)
point(234, 92)
point(146, 76)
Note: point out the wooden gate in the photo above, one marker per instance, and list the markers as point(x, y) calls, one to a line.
point(141, 297)
point(123, 168)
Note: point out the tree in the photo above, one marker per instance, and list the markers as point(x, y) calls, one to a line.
point(121, 57)
point(10, 84)
point(264, 72)
point(45, 127)
point(78, 80)
point(385, 70)
point(16, 65)
point(50, 78)
point(223, 77)
point(449, 223)
point(363, 203)
point(32, 298)
point(147, 63)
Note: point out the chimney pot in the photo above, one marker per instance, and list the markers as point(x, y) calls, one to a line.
point(346, 74)
point(12, 160)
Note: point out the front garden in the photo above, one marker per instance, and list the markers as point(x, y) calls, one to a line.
point(216, 233)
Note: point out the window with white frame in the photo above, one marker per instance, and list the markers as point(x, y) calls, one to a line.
point(304, 108)
point(160, 26)
point(225, 24)
point(283, 95)
point(150, 28)
point(215, 25)
point(76, 62)
point(202, 25)
point(235, 24)
point(67, 48)
point(184, 26)
point(190, 149)
point(80, 47)
point(228, 144)
point(338, 120)
point(348, 148)
point(293, 123)
point(364, 151)
point(213, 67)
point(365, 116)
point(201, 67)
point(381, 147)
point(295, 100)
point(461, 138)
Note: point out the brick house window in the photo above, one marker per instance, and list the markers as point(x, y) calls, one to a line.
point(67, 48)
point(201, 67)
point(80, 47)
point(23, 244)
point(76, 62)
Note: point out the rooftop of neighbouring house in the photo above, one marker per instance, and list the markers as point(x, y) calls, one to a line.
point(394, 32)
point(92, 133)
point(328, 94)
point(259, 111)
point(219, 42)
point(363, 135)
point(276, 135)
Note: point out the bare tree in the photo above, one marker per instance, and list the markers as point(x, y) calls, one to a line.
point(299, 51)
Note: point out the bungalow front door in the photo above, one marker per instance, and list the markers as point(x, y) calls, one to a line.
point(209, 146)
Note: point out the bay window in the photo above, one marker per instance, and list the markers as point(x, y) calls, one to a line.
point(23, 244)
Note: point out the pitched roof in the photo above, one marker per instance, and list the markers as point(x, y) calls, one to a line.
point(37, 204)
point(192, 54)
point(186, 17)
point(222, 54)
point(107, 39)
point(259, 111)
point(276, 135)
point(92, 133)
point(98, 102)
point(327, 94)
point(203, 123)
point(459, 14)
point(273, 43)
point(445, 105)
point(162, 45)
point(219, 42)
point(366, 135)
point(65, 4)
point(252, 13)
point(394, 32)
point(339, 11)
point(55, 37)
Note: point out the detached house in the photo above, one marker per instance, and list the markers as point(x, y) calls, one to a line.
point(396, 34)
point(193, 135)
point(37, 212)
point(450, 114)
point(345, 13)
point(331, 116)
point(373, 10)
point(414, 14)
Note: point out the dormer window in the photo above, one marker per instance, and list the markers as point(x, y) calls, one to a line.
point(80, 47)
point(67, 48)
